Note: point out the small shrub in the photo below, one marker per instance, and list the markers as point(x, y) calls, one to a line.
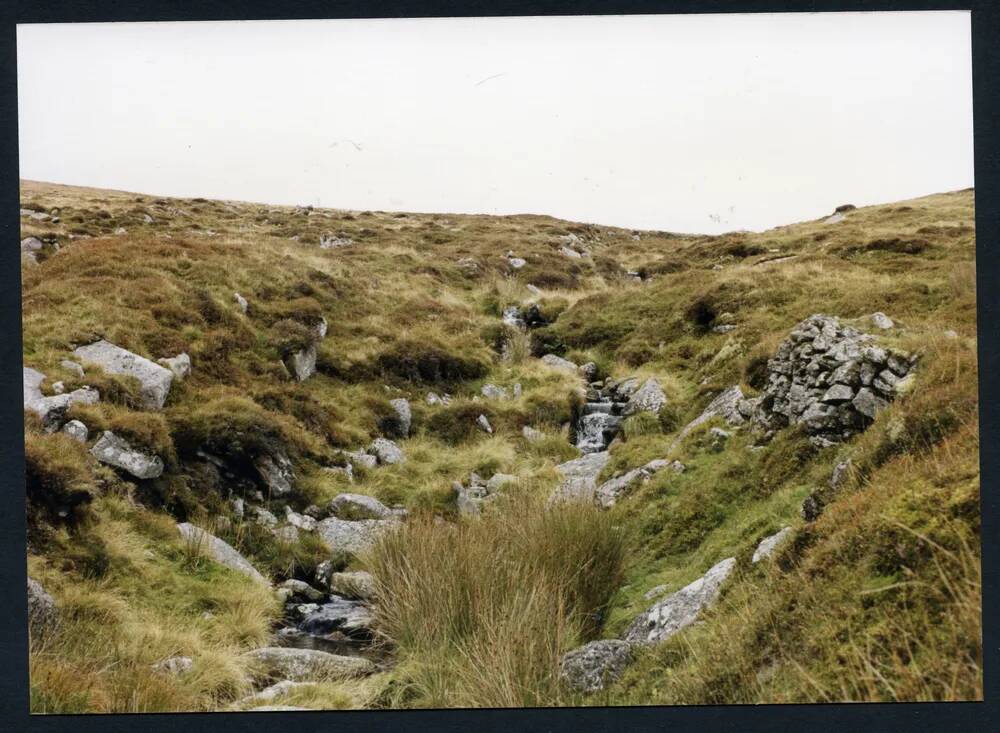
point(701, 314)
point(784, 457)
point(456, 423)
point(755, 371)
point(58, 478)
point(425, 361)
point(643, 423)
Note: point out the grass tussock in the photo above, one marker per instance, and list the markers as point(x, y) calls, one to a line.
point(482, 610)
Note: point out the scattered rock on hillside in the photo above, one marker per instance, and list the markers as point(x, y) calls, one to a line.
point(339, 614)
point(499, 480)
point(174, 665)
point(117, 452)
point(278, 689)
point(531, 434)
point(515, 262)
point(611, 490)
point(386, 451)
point(219, 551)
point(404, 416)
point(768, 545)
point(719, 438)
point(648, 398)
point(347, 470)
point(728, 405)
point(570, 252)
point(241, 302)
point(592, 666)
point(353, 537)
point(73, 368)
point(831, 379)
point(307, 665)
point(302, 363)
point(580, 477)
point(76, 430)
point(484, 424)
point(300, 521)
point(154, 380)
point(681, 609)
point(811, 508)
point(357, 584)
point(360, 458)
point(557, 362)
point(622, 390)
point(835, 218)
point(881, 320)
point(329, 241)
point(43, 614)
point(52, 410)
point(276, 471)
point(840, 473)
point(31, 244)
point(302, 591)
point(359, 506)
point(180, 365)
point(494, 392)
point(512, 317)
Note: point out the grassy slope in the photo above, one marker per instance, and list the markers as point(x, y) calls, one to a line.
point(853, 608)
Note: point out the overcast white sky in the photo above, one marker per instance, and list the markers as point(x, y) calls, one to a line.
point(684, 123)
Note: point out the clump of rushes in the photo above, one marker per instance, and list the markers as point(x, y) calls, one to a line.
point(482, 610)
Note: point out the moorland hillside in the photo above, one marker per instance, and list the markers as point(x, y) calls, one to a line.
point(290, 457)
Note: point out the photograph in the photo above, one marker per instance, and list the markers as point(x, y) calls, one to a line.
point(576, 361)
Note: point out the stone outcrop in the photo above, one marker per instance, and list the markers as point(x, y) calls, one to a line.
point(174, 665)
point(768, 545)
point(154, 380)
point(350, 617)
point(494, 392)
point(117, 452)
point(302, 363)
point(352, 537)
point(648, 398)
point(592, 666)
point(359, 506)
point(276, 471)
point(471, 499)
point(357, 584)
point(557, 362)
point(681, 609)
point(881, 320)
point(43, 614)
point(613, 489)
point(386, 451)
point(220, 551)
point(307, 665)
point(725, 405)
point(404, 416)
point(52, 409)
point(580, 477)
point(180, 365)
point(302, 591)
point(76, 430)
point(831, 379)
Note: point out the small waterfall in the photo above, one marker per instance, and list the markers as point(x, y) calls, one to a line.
point(597, 426)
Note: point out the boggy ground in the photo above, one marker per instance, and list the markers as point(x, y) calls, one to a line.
point(876, 599)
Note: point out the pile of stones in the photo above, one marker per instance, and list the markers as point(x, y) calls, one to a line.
point(832, 379)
